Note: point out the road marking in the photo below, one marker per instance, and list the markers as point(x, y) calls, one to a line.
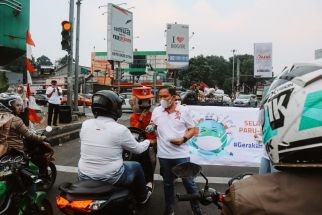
point(157, 177)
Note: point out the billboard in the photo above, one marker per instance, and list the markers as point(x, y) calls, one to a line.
point(263, 60)
point(119, 34)
point(177, 45)
point(318, 54)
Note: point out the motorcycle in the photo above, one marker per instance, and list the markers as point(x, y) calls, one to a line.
point(97, 197)
point(39, 154)
point(22, 190)
point(20, 187)
point(207, 195)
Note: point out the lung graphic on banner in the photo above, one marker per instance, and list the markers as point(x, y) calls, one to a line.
point(177, 45)
point(119, 34)
point(225, 137)
point(263, 60)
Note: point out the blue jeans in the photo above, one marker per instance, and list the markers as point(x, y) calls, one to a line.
point(266, 166)
point(132, 178)
point(168, 182)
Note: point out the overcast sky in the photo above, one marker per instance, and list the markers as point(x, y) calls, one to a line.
point(293, 26)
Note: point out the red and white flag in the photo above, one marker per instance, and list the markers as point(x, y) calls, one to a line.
point(33, 116)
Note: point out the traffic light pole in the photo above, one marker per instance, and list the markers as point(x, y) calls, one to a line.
point(78, 3)
point(70, 56)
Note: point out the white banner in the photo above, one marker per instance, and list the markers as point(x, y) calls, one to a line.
point(263, 60)
point(177, 45)
point(119, 34)
point(225, 136)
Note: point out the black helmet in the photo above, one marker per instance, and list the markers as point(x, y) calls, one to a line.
point(7, 101)
point(107, 103)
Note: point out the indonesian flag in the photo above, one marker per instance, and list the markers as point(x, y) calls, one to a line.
point(29, 43)
point(32, 114)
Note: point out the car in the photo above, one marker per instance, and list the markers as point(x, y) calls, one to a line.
point(81, 101)
point(245, 100)
point(40, 92)
point(41, 99)
point(126, 107)
point(226, 100)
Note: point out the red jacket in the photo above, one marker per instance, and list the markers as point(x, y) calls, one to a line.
point(142, 123)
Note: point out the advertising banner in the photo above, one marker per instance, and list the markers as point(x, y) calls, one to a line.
point(225, 136)
point(119, 34)
point(263, 60)
point(318, 54)
point(177, 45)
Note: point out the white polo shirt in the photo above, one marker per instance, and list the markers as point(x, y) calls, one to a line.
point(102, 143)
point(55, 98)
point(170, 126)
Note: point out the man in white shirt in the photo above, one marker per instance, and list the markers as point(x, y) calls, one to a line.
point(54, 93)
point(174, 126)
point(102, 144)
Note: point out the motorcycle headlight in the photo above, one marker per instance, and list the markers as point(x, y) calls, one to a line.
point(96, 205)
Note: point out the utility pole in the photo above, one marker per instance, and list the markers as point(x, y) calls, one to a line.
point(70, 55)
point(78, 3)
point(238, 75)
point(233, 79)
point(155, 74)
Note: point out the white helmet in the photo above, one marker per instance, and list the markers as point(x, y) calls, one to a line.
point(292, 125)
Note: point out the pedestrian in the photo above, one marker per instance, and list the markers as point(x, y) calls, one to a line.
point(174, 127)
point(54, 93)
point(21, 92)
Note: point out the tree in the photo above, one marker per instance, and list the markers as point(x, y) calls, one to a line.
point(17, 65)
point(62, 61)
point(246, 71)
point(43, 61)
point(216, 71)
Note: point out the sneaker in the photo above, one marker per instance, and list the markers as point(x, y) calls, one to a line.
point(168, 212)
point(148, 195)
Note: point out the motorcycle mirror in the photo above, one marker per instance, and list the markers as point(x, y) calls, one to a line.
point(48, 129)
point(185, 170)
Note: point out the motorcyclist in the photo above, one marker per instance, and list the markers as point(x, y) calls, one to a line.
point(141, 103)
point(14, 130)
point(292, 134)
point(102, 143)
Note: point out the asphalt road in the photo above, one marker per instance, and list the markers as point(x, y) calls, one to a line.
point(67, 157)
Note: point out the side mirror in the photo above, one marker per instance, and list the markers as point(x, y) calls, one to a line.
point(186, 170)
point(48, 129)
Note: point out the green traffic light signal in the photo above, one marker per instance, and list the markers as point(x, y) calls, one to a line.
point(66, 42)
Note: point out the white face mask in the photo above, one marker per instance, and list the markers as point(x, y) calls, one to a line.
point(165, 103)
point(178, 102)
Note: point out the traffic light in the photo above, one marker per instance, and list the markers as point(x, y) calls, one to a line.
point(66, 42)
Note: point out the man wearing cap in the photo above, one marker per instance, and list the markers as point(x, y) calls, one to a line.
point(54, 93)
point(141, 103)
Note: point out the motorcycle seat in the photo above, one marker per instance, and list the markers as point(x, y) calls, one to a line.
point(90, 187)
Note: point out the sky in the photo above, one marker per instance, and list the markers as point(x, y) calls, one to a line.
point(294, 27)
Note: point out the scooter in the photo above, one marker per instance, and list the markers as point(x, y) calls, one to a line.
point(207, 195)
point(96, 197)
point(38, 152)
